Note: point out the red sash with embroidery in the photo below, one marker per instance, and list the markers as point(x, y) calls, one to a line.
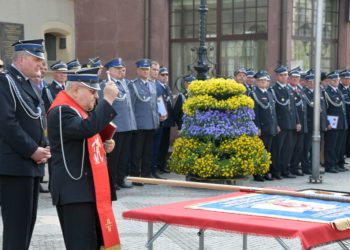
point(100, 177)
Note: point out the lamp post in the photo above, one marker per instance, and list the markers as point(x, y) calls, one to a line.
point(202, 67)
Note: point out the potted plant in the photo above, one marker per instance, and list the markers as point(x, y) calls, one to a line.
point(218, 139)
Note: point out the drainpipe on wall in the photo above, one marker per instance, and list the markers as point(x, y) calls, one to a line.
point(147, 29)
point(284, 32)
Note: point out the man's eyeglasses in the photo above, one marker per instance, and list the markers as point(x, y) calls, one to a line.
point(164, 74)
point(93, 91)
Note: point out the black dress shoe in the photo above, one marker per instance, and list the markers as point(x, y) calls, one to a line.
point(307, 171)
point(331, 170)
point(43, 190)
point(268, 177)
point(258, 178)
point(164, 171)
point(289, 175)
point(277, 176)
point(341, 168)
point(156, 176)
point(137, 184)
point(124, 185)
point(298, 172)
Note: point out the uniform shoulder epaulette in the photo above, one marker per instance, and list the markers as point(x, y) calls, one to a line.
point(133, 81)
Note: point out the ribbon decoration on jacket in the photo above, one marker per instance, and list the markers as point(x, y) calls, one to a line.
point(100, 178)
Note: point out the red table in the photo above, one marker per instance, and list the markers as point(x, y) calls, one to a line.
point(311, 234)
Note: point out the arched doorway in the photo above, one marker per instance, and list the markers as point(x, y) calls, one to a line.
point(59, 42)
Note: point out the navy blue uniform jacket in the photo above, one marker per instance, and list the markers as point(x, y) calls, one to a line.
point(64, 189)
point(20, 135)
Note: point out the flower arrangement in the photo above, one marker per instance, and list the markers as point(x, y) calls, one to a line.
point(218, 137)
point(205, 102)
point(218, 88)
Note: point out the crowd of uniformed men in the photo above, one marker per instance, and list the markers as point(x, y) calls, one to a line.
point(143, 132)
point(146, 111)
point(283, 109)
point(283, 115)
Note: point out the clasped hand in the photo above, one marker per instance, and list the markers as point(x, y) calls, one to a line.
point(41, 155)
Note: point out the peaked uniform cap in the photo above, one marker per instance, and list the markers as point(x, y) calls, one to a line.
point(261, 75)
point(87, 76)
point(250, 72)
point(281, 70)
point(143, 63)
point(95, 62)
point(295, 71)
point(189, 78)
point(59, 66)
point(310, 77)
point(74, 65)
point(333, 75)
point(163, 70)
point(114, 63)
point(241, 70)
point(32, 47)
point(345, 74)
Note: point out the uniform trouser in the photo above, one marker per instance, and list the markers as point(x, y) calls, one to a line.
point(331, 147)
point(119, 157)
point(297, 151)
point(80, 226)
point(156, 147)
point(347, 147)
point(306, 156)
point(282, 146)
point(164, 148)
point(322, 148)
point(267, 140)
point(141, 153)
point(342, 144)
point(19, 204)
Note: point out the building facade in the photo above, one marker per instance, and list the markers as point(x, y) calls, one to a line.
point(259, 34)
point(31, 19)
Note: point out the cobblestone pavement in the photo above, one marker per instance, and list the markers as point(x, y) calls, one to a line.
point(133, 234)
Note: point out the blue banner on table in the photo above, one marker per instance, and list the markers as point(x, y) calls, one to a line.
point(279, 206)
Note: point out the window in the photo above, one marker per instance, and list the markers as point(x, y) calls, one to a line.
point(185, 19)
point(185, 57)
point(238, 54)
point(236, 29)
point(244, 17)
point(50, 45)
point(303, 34)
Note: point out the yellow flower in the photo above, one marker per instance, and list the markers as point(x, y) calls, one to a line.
point(245, 155)
point(217, 87)
point(206, 102)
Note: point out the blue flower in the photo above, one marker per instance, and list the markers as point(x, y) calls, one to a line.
point(219, 125)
